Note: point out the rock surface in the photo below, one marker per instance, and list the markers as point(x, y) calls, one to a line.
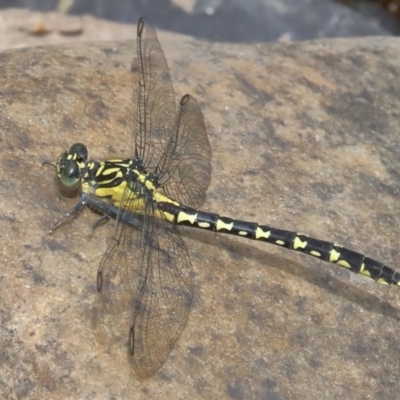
point(24, 28)
point(304, 136)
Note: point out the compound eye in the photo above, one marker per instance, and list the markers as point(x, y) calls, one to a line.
point(80, 150)
point(69, 175)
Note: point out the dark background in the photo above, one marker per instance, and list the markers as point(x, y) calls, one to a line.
point(240, 20)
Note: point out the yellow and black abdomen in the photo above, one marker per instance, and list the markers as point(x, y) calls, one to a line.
point(326, 251)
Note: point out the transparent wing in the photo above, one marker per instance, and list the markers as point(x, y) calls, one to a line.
point(175, 148)
point(156, 109)
point(146, 274)
point(150, 273)
point(164, 296)
point(119, 268)
point(187, 160)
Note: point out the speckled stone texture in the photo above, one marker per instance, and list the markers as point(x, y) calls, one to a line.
point(304, 136)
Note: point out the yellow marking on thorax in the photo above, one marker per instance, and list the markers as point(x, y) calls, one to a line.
point(142, 178)
point(299, 244)
point(109, 171)
point(260, 234)
point(114, 194)
point(86, 188)
point(119, 161)
point(136, 204)
point(99, 171)
point(222, 225)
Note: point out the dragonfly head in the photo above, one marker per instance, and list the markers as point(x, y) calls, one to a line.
point(69, 169)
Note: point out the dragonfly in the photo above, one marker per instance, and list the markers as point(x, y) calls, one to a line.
point(146, 274)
